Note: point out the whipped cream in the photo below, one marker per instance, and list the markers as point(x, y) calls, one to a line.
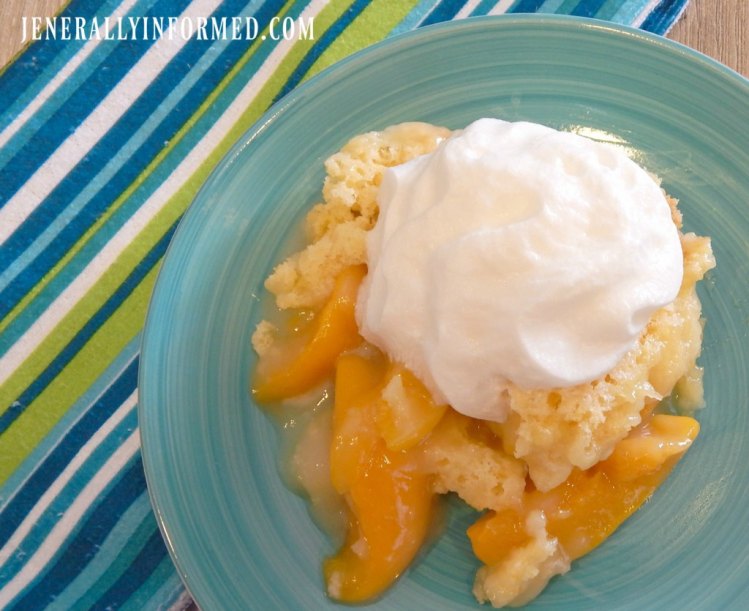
point(515, 254)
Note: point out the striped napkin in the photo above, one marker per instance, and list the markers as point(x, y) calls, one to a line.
point(106, 134)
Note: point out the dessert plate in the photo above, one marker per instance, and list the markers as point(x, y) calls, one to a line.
point(239, 538)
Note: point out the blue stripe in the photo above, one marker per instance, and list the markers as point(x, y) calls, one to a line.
point(116, 139)
point(412, 19)
point(16, 171)
point(86, 332)
point(526, 6)
point(551, 6)
point(22, 73)
point(322, 43)
point(26, 469)
point(83, 591)
point(63, 499)
point(663, 16)
point(444, 11)
point(105, 53)
point(51, 467)
point(79, 551)
point(587, 8)
point(40, 301)
point(483, 7)
point(65, 88)
point(78, 263)
point(21, 323)
point(52, 370)
point(168, 593)
point(137, 573)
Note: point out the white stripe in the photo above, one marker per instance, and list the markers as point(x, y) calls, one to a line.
point(467, 9)
point(501, 7)
point(77, 289)
point(69, 520)
point(97, 124)
point(638, 21)
point(59, 78)
point(24, 528)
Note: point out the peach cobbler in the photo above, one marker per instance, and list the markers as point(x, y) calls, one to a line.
point(495, 312)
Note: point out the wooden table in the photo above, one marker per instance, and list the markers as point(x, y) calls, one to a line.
point(718, 28)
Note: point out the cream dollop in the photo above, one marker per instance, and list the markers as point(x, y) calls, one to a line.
point(515, 254)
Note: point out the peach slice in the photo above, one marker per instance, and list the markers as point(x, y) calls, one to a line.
point(651, 445)
point(389, 498)
point(406, 413)
point(583, 511)
point(334, 330)
point(391, 505)
point(357, 384)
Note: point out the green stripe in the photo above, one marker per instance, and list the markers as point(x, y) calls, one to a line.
point(39, 418)
point(330, 13)
point(75, 319)
point(140, 179)
point(322, 22)
point(67, 329)
point(374, 24)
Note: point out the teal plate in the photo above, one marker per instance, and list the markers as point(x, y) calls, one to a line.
point(239, 538)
